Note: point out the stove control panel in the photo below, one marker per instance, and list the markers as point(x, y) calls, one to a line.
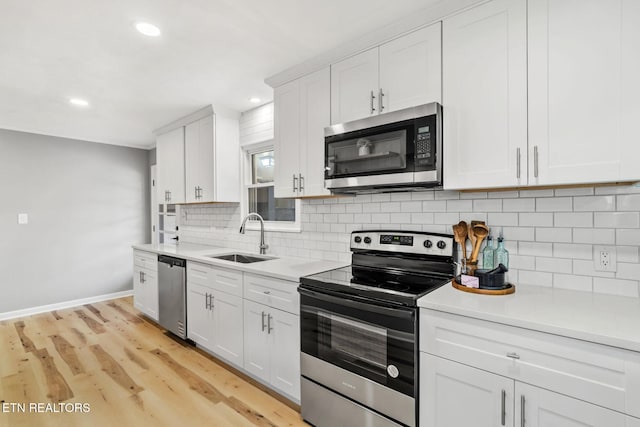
point(403, 242)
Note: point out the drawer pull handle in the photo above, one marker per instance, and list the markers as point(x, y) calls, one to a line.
point(513, 355)
point(503, 414)
point(267, 292)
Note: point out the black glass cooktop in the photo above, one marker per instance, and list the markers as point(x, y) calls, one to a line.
point(384, 285)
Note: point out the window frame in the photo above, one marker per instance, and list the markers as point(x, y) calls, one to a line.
point(247, 183)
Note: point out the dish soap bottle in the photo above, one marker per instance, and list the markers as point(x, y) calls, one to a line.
point(501, 255)
point(487, 254)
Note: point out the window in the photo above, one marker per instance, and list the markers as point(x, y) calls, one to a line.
point(278, 214)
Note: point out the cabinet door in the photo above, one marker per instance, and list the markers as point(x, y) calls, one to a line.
point(227, 331)
point(200, 319)
point(138, 289)
point(287, 139)
point(485, 96)
point(411, 70)
point(454, 395)
point(150, 285)
point(198, 149)
point(315, 112)
point(170, 163)
point(583, 90)
point(543, 408)
point(354, 87)
point(256, 340)
point(284, 331)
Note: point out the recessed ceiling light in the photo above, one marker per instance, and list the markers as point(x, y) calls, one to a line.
point(79, 102)
point(148, 29)
point(254, 100)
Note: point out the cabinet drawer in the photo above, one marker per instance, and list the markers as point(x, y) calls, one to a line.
point(145, 260)
point(221, 279)
point(596, 373)
point(275, 293)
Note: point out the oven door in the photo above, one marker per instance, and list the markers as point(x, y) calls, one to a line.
point(373, 341)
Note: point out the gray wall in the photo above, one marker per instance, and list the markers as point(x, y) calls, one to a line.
point(87, 204)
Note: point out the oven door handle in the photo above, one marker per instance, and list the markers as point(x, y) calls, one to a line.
point(361, 304)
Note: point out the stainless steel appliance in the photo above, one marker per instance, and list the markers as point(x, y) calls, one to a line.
point(172, 295)
point(359, 329)
point(401, 149)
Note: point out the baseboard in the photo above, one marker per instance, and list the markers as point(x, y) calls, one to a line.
point(62, 305)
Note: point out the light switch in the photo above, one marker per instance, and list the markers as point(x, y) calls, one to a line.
point(23, 218)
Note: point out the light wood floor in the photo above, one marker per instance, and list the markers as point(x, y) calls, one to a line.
point(125, 370)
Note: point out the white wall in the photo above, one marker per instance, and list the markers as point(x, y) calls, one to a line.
point(87, 204)
point(550, 234)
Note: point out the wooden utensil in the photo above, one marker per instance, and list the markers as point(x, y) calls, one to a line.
point(472, 236)
point(480, 231)
point(460, 231)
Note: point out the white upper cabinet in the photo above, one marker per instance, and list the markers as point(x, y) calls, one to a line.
point(485, 96)
point(302, 110)
point(212, 160)
point(410, 69)
point(402, 73)
point(583, 91)
point(354, 87)
point(170, 164)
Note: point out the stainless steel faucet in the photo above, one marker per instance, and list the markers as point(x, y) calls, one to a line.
point(263, 245)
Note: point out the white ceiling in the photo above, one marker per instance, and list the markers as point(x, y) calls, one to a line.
point(210, 52)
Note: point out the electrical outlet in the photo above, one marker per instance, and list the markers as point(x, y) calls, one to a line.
point(604, 258)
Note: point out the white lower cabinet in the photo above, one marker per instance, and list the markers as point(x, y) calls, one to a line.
point(214, 318)
point(272, 347)
point(454, 395)
point(480, 373)
point(145, 283)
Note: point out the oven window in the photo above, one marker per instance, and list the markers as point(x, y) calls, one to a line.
point(357, 341)
point(368, 155)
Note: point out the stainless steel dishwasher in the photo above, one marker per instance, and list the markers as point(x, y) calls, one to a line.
point(172, 295)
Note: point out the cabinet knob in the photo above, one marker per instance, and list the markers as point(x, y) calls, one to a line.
point(513, 355)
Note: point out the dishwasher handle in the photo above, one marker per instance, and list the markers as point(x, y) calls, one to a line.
point(173, 262)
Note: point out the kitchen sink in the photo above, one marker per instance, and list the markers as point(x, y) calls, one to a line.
point(242, 258)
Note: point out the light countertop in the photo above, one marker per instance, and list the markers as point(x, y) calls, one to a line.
point(285, 268)
point(604, 319)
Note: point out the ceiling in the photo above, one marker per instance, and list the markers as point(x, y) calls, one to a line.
point(210, 52)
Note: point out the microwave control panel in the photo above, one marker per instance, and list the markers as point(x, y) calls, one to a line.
point(425, 156)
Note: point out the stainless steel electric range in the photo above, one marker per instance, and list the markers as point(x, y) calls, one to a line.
point(359, 329)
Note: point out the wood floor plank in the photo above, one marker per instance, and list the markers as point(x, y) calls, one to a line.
point(68, 353)
point(93, 324)
point(96, 312)
point(27, 344)
point(55, 314)
point(135, 358)
point(79, 335)
point(58, 389)
point(129, 317)
point(112, 368)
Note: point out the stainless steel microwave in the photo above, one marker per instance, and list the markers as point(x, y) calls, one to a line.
point(392, 151)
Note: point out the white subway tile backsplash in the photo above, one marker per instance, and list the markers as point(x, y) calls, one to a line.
point(627, 236)
point(602, 236)
point(576, 251)
point(535, 249)
point(460, 206)
point(559, 235)
point(617, 219)
point(573, 219)
point(554, 265)
point(594, 203)
point(538, 278)
point(488, 205)
point(554, 204)
point(627, 288)
point(572, 282)
point(519, 205)
point(550, 234)
point(580, 191)
point(537, 219)
point(628, 202)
